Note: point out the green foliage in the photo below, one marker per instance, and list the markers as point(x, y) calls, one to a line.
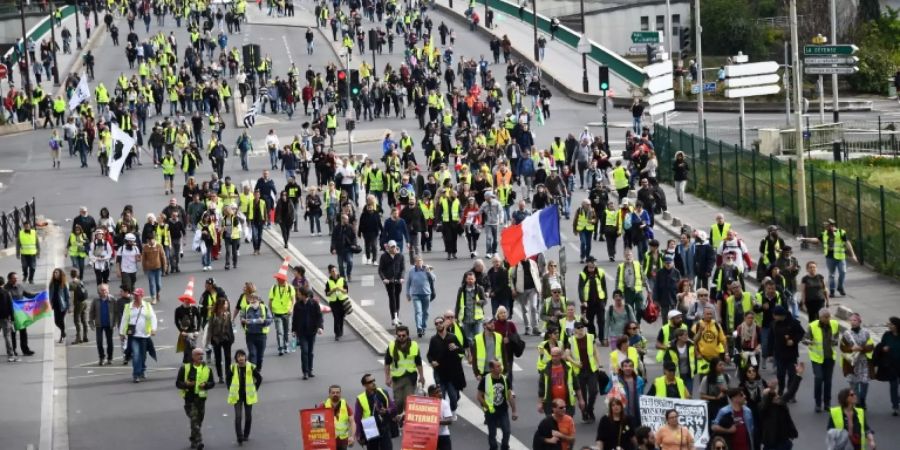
point(729, 26)
point(868, 10)
point(879, 53)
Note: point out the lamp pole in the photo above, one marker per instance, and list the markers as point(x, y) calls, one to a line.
point(798, 124)
point(584, 51)
point(77, 28)
point(834, 78)
point(698, 32)
point(25, 73)
point(534, 27)
point(53, 43)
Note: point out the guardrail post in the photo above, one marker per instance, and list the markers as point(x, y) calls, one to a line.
point(884, 254)
point(859, 230)
point(772, 188)
point(834, 193)
point(721, 175)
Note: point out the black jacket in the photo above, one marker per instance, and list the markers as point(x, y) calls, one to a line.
point(391, 267)
point(449, 362)
point(342, 238)
point(187, 319)
point(307, 318)
point(6, 307)
point(774, 422)
point(704, 260)
point(780, 331)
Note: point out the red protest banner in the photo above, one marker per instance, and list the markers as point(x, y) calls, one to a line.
point(317, 429)
point(422, 423)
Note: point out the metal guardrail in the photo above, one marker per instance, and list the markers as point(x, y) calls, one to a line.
point(11, 221)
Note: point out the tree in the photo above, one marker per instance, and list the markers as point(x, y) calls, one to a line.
point(730, 26)
point(879, 52)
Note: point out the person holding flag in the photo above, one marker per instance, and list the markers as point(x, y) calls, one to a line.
point(81, 94)
point(27, 308)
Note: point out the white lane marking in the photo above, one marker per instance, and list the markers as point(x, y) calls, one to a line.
point(367, 281)
point(366, 302)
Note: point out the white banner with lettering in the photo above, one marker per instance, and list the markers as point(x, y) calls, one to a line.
point(691, 413)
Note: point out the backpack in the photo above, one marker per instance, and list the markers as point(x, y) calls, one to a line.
point(651, 312)
point(528, 167)
point(54, 144)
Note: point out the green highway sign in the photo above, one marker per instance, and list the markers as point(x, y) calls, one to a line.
point(646, 37)
point(840, 49)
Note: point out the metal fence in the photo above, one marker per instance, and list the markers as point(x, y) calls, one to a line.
point(11, 221)
point(764, 188)
point(867, 137)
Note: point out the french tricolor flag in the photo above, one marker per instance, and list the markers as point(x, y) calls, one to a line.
point(535, 234)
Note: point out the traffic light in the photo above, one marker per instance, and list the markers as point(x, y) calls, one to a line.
point(685, 40)
point(355, 85)
point(342, 82)
point(604, 78)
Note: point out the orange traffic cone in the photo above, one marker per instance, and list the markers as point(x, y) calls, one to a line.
point(188, 296)
point(283, 270)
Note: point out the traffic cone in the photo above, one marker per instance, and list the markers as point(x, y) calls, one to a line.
point(188, 296)
point(283, 270)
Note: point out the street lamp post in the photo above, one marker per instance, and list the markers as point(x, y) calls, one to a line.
point(53, 43)
point(77, 28)
point(584, 47)
point(25, 72)
point(698, 32)
point(834, 78)
point(537, 55)
point(798, 123)
point(94, 7)
point(820, 86)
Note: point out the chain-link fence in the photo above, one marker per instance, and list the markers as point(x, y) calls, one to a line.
point(763, 187)
point(11, 221)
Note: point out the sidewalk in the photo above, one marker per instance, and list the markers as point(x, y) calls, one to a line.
point(870, 294)
point(562, 63)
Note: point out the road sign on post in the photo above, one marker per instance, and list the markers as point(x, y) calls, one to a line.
point(646, 37)
point(822, 70)
point(659, 84)
point(750, 80)
point(829, 60)
point(837, 49)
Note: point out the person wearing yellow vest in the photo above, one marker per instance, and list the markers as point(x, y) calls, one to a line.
point(256, 319)
point(629, 280)
point(487, 346)
point(710, 340)
point(469, 308)
point(821, 338)
point(611, 228)
point(344, 423)
point(194, 380)
point(666, 333)
point(336, 290)
point(76, 249)
point(28, 250)
point(848, 416)
point(669, 385)
point(592, 296)
point(857, 349)
point(625, 351)
point(683, 354)
point(168, 171)
point(836, 245)
point(498, 402)
point(718, 231)
point(243, 384)
point(376, 403)
point(281, 301)
point(138, 325)
point(557, 382)
point(449, 211)
point(582, 355)
point(231, 235)
point(403, 367)
point(584, 224)
point(620, 180)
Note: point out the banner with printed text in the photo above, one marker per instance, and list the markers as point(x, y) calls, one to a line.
point(317, 429)
point(691, 413)
point(421, 424)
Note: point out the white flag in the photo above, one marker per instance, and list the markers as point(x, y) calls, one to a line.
point(81, 94)
point(127, 142)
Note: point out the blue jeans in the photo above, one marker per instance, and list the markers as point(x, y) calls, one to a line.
point(764, 341)
point(282, 331)
point(490, 238)
point(345, 263)
point(138, 356)
point(256, 348)
point(861, 389)
point(306, 344)
point(449, 390)
point(841, 267)
point(420, 304)
point(155, 280)
point(636, 125)
point(822, 373)
point(498, 420)
point(470, 329)
point(206, 258)
point(315, 223)
point(256, 231)
point(585, 249)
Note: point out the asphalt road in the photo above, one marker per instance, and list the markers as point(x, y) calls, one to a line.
point(106, 409)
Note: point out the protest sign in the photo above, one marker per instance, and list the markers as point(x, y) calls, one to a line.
point(691, 413)
point(317, 429)
point(421, 424)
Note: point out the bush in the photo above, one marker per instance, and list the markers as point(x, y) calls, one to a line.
point(879, 53)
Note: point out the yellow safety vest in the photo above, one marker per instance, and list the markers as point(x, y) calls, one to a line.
point(281, 298)
point(489, 392)
point(427, 210)
point(479, 309)
point(582, 222)
point(632, 356)
point(592, 358)
point(620, 275)
point(837, 416)
point(234, 392)
point(660, 384)
point(331, 121)
point(612, 220)
point(715, 236)
point(76, 245)
point(839, 246)
point(403, 364)
point(620, 178)
point(168, 165)
point(666, 334)
point(203, 374)
point(692, 359)
point(449, 213)
point(586, 290)
point(335, 296)
point(570, 384)
point(28, 242)
point(817, 345)
point(376, 181)
point(364, 402)
point(559, 151)
point(746, 305)
point(481, 351)
point(342, 419)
